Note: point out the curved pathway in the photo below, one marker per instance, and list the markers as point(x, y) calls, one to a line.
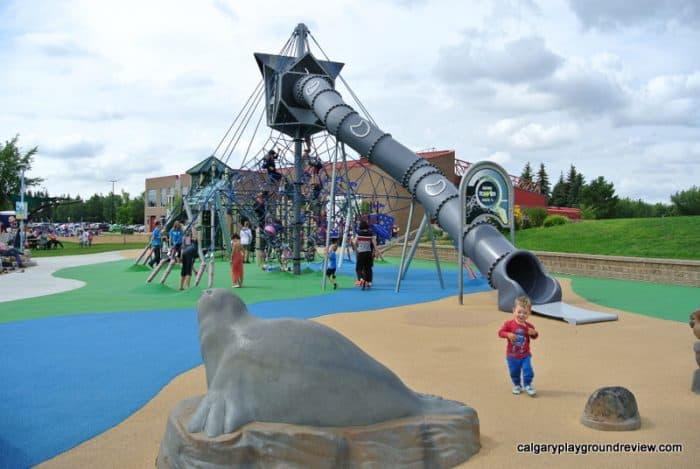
point(38, 280)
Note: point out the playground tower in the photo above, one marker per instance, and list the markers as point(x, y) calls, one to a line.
point(302, 99)
point(285, 115)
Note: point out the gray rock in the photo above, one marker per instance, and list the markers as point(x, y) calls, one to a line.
point(435, 441)
point(611, 408)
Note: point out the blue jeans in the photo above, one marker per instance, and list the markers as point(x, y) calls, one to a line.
point(516, 365)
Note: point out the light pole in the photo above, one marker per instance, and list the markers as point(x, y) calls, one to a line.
point(21, 221)
point(111, 221)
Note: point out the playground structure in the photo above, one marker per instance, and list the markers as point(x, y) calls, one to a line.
point(293, 209)
point(302, 100)
point(295, 202)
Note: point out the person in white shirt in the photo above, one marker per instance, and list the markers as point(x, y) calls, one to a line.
point(246, 240)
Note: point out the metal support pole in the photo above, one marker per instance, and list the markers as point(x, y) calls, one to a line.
point(435, 255)
point(414, 246)
point(330, 216)
point(298, 224)
point(405, 244)
point(212, 238)
point(348, 201)
point(21, 221)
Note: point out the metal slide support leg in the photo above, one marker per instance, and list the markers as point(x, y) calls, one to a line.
point(405, 245)
point(414, 247)
point(435, 255)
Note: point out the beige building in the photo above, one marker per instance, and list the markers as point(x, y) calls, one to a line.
point(160, 195)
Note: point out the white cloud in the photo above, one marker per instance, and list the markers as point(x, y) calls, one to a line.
point(131, 90)
point(614, 14)
point(519, 134)
point(665, 100)
point(501, 157)
point(521, 60)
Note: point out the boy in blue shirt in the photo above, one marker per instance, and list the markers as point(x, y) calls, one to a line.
point(330, 270)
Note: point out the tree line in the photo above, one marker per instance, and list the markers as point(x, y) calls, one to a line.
point(597, 198)
point(112, 208)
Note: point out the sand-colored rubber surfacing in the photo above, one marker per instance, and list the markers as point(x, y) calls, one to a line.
point(450, 350)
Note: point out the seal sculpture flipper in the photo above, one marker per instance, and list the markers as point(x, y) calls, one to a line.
point(291, 371)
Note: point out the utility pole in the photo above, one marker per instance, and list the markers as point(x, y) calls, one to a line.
point(111, 221)
point(24, 215)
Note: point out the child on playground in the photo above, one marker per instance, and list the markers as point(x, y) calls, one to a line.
point(332, 264)
point(519, 332)
point(237, 254)
point(156, 244)
point(175, 235)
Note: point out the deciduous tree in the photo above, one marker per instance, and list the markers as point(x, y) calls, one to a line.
point(12, 162)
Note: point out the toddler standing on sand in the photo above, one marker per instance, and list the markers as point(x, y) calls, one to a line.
point(519, 332)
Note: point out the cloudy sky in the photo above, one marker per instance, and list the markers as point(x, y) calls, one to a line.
point(125, 90)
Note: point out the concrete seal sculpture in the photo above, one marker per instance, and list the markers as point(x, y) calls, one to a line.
point(291, 371)
point(294, 393)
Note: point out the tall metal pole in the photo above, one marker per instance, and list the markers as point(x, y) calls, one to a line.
point(21, 221)
point(301, 33)
point(113, 209)
point(298, 223)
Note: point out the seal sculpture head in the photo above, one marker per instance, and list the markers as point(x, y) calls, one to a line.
point(291, 371)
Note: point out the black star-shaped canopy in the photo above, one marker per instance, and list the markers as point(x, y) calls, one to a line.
point(280, 74)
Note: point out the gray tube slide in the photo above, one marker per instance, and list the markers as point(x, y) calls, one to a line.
point(510, 271)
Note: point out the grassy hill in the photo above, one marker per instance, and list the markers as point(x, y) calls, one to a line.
point(670, 237)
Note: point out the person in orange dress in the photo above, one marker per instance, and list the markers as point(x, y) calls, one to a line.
point(237, 255)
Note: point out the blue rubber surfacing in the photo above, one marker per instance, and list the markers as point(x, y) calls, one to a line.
point(67, 379)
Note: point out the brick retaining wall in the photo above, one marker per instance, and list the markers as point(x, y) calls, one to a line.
point(670, 271)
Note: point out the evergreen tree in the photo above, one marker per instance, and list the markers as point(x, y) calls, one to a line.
point(526, 175)
point(600, 195)
point(560, 192)
point(543, 182)
point(575, 182)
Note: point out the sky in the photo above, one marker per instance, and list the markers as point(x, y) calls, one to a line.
point(126, 90)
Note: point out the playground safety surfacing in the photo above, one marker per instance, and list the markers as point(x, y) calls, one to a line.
point(77, 363)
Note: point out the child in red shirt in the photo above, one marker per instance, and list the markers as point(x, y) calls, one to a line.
point(519, 332)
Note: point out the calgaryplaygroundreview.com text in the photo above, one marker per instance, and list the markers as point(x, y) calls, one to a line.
point(590, 448)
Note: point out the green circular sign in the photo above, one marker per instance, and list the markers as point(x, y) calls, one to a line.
point(488, 193)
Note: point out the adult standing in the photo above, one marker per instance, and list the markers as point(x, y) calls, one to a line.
point(156, 244)
point(246, 240)
point(188, 256)
point(365, 244)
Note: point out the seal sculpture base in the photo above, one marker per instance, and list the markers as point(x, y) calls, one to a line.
point(441, 440)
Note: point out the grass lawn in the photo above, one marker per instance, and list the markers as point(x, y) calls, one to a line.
point(666, 238)
point(71, 248)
